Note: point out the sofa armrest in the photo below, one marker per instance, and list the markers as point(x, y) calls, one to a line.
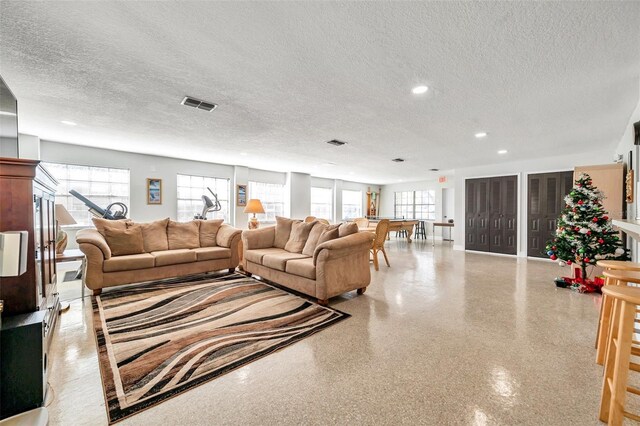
point(225, 235)
point(344, 246)
point(258, 238)
point(93, 237)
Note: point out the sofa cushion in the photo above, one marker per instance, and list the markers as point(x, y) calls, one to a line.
point(279, 260)
point(208, 231)
point(299, 234)
point(348, 229)
point(256, 255)
point(283, 230)
point(124, 241)
point(302, 268)
point(154, 235)
point(129, 262)
point(174, 257)
point(102, 224)
point(183, 235)
point(331, 233)
point(212, 253)
point(314, 236)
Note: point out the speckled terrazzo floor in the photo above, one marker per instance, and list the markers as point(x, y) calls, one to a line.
point(441, 337)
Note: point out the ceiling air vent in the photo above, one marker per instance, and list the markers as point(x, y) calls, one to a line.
point(398, 160)
point(197, 103)
point(336, 142)
point(434, 170)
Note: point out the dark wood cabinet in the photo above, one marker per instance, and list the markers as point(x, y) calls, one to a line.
point(491, 214)
point(27, 203)
point(546, 192)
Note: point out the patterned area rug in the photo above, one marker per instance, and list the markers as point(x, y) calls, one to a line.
point(158, 339)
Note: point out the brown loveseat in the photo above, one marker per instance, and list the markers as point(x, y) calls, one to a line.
point(312, 258)
point(124, 252)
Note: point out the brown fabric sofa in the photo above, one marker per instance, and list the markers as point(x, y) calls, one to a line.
point(321, 271)
point(168, 249)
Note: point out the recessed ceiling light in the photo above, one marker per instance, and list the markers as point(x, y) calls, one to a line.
point(419, 90)
point(352, 173)
point(481, 135)
point(12, 114)
point(243, 153)
point(329, 164)
point(399, 180)
point(502, 151)
point(69, 123)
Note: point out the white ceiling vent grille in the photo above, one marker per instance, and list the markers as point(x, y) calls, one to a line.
point(336, 142)
point(398, 160)
point(197, 103)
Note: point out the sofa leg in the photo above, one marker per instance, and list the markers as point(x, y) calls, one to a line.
point(323, 302)
point(361, 290)
point(249, 274)
point(232, 270)
point(97, 292)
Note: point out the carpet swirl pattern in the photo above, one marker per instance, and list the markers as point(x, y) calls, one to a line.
point(158, 339)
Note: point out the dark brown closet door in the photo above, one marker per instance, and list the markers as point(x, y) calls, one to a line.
point(477, 214)
point(491, 214)
point(546, 200)
point(504, 214)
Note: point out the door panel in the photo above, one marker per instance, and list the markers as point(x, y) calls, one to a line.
point(491, 214)
point(546, 201)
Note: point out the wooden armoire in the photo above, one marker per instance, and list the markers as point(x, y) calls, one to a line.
point(27, 203)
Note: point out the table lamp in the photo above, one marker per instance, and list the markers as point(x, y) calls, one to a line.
point(63, 217)
point(254, 206)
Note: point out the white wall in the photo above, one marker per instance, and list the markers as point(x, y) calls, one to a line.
point(387, 197)
point(627, 144)
point(141, 167)
point(522, 169)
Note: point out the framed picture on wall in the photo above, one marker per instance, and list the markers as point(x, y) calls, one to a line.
point(154, 191)
point(241, 196)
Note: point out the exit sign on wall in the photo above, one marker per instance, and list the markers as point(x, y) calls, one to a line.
point(442, 179)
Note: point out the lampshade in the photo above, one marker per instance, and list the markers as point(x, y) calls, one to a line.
point(254, 206)
point(63, 216)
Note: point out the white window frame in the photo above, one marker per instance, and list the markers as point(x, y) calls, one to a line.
point(272, 207)
point(116, 187)
point(358, 207)
point(409, 201)
point(319, 206)
point(195, 196)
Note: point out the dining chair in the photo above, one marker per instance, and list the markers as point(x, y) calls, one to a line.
point(362, 222)
point(378, 243)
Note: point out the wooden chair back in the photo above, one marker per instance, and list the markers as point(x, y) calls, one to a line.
point(381, 233)
point(362, 222)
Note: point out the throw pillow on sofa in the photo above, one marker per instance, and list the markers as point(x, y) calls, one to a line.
point(314, 236)
point(283, 231)
point(103, 224)
point(209, 231)
point(348, 229)
point(183, 235)
point(331, 233)
point(299, 235)
point(124, 241)
point(154, 235)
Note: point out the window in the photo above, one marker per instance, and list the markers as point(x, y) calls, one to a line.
point(415, 205)
point(322, 203)
point(425, 205)
point(272, 197)
point(190, 192)
point(351, 204)
point(102, 185)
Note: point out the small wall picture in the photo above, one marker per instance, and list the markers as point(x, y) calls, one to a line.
point(241, 196)
point(154, 191)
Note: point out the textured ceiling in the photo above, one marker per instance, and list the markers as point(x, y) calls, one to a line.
point(540, 78)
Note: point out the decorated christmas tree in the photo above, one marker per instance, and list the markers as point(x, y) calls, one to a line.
point(584, 233)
